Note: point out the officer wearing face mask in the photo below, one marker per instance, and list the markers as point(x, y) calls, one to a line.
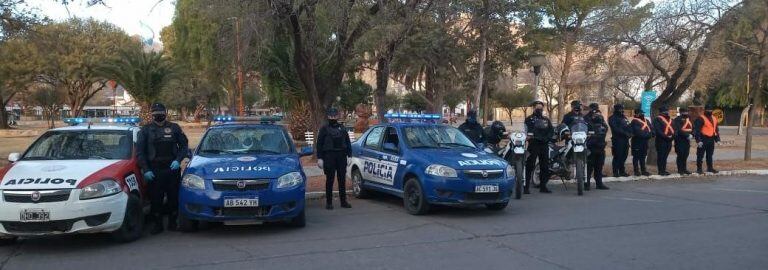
point(683, 134)
point(707, 133)
point(333, 149)
point(664, 133)
point(596, 144)
point(495, 134)
point(472, 129)
point(620, 134)
point(538, 147)
point(574, 114)
point(161, 147)
point(642, 131)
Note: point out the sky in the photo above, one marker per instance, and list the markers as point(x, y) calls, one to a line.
point(135, 17)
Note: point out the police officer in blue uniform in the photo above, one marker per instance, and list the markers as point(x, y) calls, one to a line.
point(574, 114)
point(664, 133)
point(333, 149)
point(641, 133)
point(161, 147)
point(596, 144)
point(620, 134)
point(538, 147)
point(472, 129)
point(494, 134)
point(683, 134)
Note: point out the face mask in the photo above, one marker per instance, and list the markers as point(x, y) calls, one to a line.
point(158, 117)
point(708, 113)
point(665, 113)
point(472, 120)
point(538, 111)
point(685, 115)
point(640, 116)
point(333, 121)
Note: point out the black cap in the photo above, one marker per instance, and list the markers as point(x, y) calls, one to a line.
point(594, 106)
point(683, 109)
point(157, 108)
point(332, 112)
point(618, 107)
point(537, 102)
point(638, 111)
point(663, 108)
point(575, 103)
point(709, 107)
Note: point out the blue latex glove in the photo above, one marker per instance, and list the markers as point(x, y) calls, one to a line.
point(175, 165)
point(149, 176)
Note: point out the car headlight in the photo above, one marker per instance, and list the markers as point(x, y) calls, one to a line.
point(192, 181)
point(289, 180)
point(441, 170)
point(510, 171)
point(100, 189)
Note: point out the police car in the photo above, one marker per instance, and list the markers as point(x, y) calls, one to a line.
point(244, 171)
point(427, 163)
point(78, 179)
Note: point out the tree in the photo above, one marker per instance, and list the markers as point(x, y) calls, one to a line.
point(20, 63)
point(143, 74)
point(71, 60)
point(392, 102)
point(49, 98)
point(355, 92)
point(414, 103)
point(513, 99)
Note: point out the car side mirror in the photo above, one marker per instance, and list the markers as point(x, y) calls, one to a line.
point(306, 151)
point(390, 147)
point(13, 157)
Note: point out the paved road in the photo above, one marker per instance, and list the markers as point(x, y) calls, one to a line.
point(682, 224)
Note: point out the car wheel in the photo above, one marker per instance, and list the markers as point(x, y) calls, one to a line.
point(299, 221)
point(413, 198)
point(133, 222)
point(496, 206)
point(357, 185)
point(186, 224)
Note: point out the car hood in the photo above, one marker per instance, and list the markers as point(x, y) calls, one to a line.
point(51, 174)
point(461, 159)
point(243, 167)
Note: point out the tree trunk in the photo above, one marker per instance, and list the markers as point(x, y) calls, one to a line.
point(562, 87)
point(382, 80)
point(480, 73)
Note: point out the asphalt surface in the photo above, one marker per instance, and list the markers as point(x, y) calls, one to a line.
point(680, 224)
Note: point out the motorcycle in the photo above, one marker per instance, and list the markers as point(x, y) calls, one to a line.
point(514, 153)
point(571, 155)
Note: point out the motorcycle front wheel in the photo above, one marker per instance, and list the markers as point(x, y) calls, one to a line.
point(519, 177)
point(581, 173)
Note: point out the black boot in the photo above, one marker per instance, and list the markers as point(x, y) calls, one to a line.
point(636, 170)
point(586, 185)
point(713, 171)
point(172, 225)
point(601, 186)
point(345, 204)
point(157, 224)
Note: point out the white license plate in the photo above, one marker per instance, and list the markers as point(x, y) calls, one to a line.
point(35, 215)
point(241, 202)
point(486, 189)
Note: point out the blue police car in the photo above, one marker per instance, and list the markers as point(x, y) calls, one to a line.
point(243, 172)
point(427, 163)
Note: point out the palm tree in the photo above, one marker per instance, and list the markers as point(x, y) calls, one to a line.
point(143, 74)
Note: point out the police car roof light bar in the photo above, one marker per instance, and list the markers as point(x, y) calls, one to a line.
point(413, 117)
point(108, 120)
point(245, 119)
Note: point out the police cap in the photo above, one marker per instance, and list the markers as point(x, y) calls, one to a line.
point(618, 107)
point(157, 108)
point(537, 102)
point(594, 106)
point(332, 112)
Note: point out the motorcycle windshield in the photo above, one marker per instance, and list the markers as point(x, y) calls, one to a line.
point(579, 127)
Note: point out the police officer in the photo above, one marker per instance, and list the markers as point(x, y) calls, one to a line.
point(333, 149)
point(620, 134)
point(707, 133)
point(495, 134)
point(538, 147)
point(641, 133)
point(596, 144)
point(472, 129)
point(161, 147)
point(575, 112)
point(664, 133)
point(683, 134)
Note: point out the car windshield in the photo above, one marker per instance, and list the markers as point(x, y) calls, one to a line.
point(82, 144)
point(245, 140)
point(436, 137)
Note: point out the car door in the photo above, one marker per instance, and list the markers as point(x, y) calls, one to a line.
point(380, 164)
point(369, 155)
point(392, 156)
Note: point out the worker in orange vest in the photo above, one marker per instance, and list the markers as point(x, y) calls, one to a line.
point(707, 133)
point(641, 133)
point(662, 129)
point(683, 135)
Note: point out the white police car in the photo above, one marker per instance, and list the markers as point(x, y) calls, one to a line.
point(427, 163)
point(78, 179)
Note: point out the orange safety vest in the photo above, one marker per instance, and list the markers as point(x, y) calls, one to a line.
point(709, 128)
point(668, 131)
point(687, 127)
point(645, 123)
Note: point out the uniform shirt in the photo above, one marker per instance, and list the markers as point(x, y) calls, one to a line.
point(473, 131)
point(698, 124)
point(570, 117)
point(333, 138)
point(660, 128)
point(541, 127)
point(683, 127)
point(620, 128)
point(642, 128)
point(161, 144)
point(599, 127)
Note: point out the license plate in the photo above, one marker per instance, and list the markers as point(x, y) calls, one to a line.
point(486, 189)
point(241, 202)
point(35, 215)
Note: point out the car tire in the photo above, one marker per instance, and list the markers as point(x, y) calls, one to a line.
point(496, 206)
point(7, 240)
point(413, 198)
point(133, 222)
point(299, 221)
point(186, 224)
point(357, 185)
